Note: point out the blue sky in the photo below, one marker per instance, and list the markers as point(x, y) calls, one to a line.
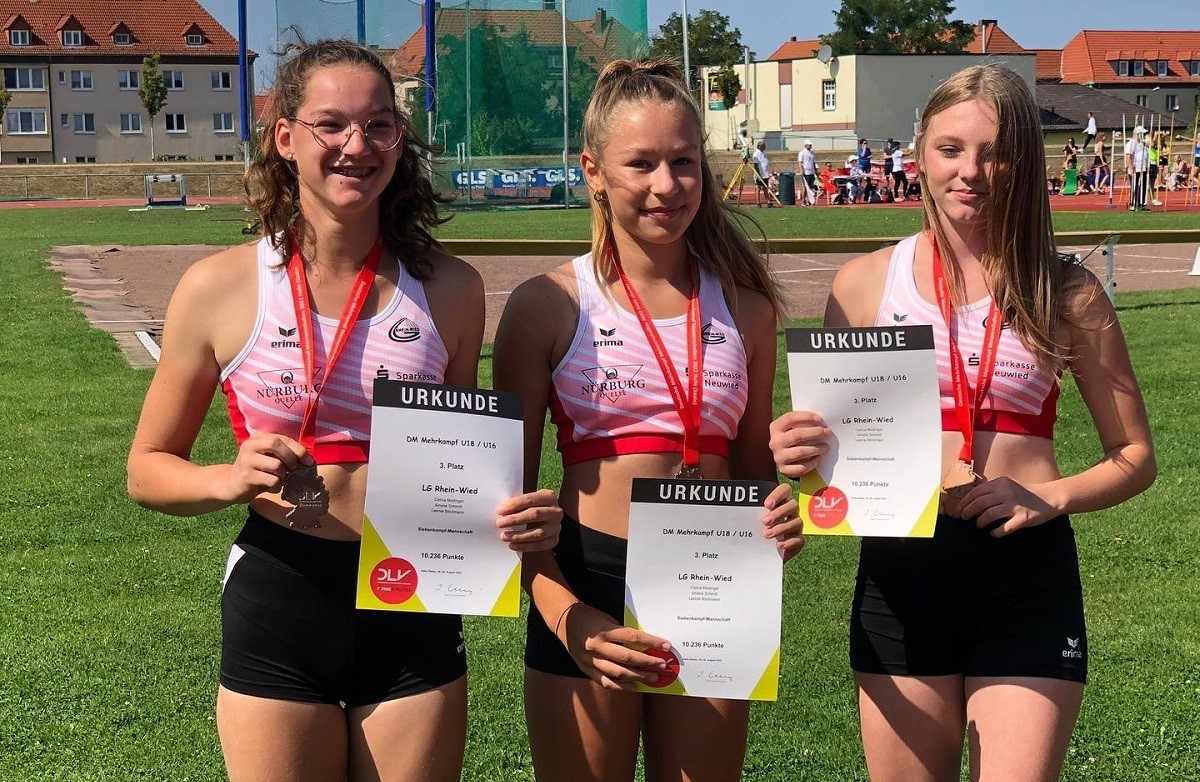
point(765, 24)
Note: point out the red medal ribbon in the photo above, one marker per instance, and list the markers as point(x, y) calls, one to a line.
point(965, 409)
point(688, 406)
point(304, 325)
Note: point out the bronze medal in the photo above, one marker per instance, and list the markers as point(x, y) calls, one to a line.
point(958, 481)
point(305, 489)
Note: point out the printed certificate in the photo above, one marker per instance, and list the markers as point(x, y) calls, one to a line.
point(700, 574)
point(442, 459)
point(877, 389)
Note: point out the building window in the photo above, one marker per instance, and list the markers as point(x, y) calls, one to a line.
point(1161, 67)
point(64, 120)
point(62, 77)
point(223, 158)
point(25, 79)
point(1140, 100)
point(1171, 103)
point(222, 80)
point(19, 38)
point(828, 95)
point(223, 123)
point(173, 80)
point(1194, 68)
point(131, 123)
point(176, 123)
point(1123, 67)
point(25, 121)
point(129, 80)
point(85, 123)
point(72, 37)
point(27, 161)
point(554, 61)
point(122, 39)
point(85, 158)
point(81, 80)
point(1139, 68)
point(195, 39)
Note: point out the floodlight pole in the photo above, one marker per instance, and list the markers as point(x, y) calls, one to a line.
point(687, 70)
point(244, 82)
point(566, 114)
point(470, 188)
point(360, 16)
point(746, 92)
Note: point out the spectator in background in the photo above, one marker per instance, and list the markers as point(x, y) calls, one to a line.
point(1100, 164)
point(899, 178)
point(1054, 182)
point(864, 156)
point(1089, 133)
point(762, 170)
point(1070, 156)
point(888, 146)
point(1137, 159)
point(807, 163)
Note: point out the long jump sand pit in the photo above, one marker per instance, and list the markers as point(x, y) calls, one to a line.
point(144, 276)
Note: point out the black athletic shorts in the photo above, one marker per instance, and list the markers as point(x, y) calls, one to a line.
point(966, 603)
point(593, 564)
point(290, 630)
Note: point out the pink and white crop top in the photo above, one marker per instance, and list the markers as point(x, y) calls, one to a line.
point(1023, 397)
point(265, 386)
point(608, 395)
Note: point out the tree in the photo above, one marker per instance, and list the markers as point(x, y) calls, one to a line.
point(710, 41)
point(153, 91)
point(5, 97)
point(728, 84)
point(898, 27)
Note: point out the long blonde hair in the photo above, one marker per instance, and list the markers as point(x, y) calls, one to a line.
point(714, 235)
point(1024, 270)
point(408, 206)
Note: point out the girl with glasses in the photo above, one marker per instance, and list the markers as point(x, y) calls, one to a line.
point(294, 329)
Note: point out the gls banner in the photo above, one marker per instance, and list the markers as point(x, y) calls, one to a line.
point(517, 177)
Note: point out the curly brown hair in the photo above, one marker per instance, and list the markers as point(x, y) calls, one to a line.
point(408, 206)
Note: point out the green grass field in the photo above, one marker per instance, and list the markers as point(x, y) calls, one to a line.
point(109, 613)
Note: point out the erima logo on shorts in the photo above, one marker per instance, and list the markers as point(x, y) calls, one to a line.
point(404, 330)
point(1072, 651)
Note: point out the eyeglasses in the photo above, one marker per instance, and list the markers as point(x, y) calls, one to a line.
point(334, 132)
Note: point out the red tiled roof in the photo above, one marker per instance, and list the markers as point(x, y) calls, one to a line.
point(998, 41)
point(796, 50)
point(1086, 57)
point(154, 24)
point(594, 47)
point(1049, 64)
point(262, 104)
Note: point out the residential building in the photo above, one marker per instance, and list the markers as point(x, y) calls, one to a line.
point(74, 68)
point(793, 95)
point(1154, 70)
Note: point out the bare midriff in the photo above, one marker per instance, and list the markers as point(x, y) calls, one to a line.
point(347, 486)
point(597, 492)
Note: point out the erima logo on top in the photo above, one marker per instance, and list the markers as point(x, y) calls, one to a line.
point(605, 341)
point(710, 336)
point(286, 343)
